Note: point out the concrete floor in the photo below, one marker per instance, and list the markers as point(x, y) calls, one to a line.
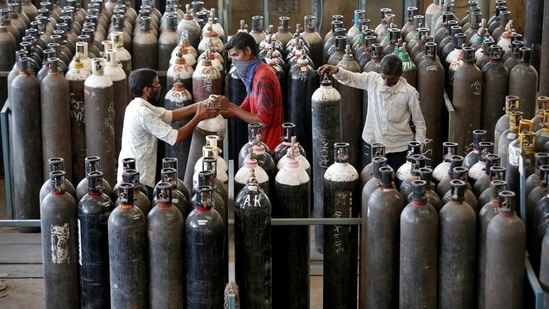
point(21, 270)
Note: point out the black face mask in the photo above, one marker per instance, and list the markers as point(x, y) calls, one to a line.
point(155, 99)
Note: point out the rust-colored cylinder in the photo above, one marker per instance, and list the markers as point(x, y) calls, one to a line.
point(313, 38)
point(145, 47)
point(99, 100)
point(77, 76)
point(467, 99)
point(418, 251)
point(495, 86)
point(430, 85)
point(55, 118)
point(350, 111)
point(505, 256)
point(120, 97)
point(26, 144)
point(382, 224)
point(167, 42)
point(523, 81)
point(456, 269)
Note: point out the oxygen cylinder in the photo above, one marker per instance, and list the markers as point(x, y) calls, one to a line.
point(456, 269)
point(210, 39)
point(288, 139)
point(212, 126)
point(59, 246)
point(373, 184)
point(371, 66)
point(252, 228)
point(483, 182)
point(425, 173)
point(505, 256)
point(542, 135)
point(404, 171)
point(532, 181)
point(122, 53)
point(473, 156)
point(324, 109)
point(76, 77)
point(7, 50)
point(177, 97)
point(417, 161)
point(174, 163)
point(341, 200)
point(100, 117)
point(146, 43)
point(514, 57)
point(56, 164)
point(283, 34)
point(167, 41)
point(237, 129)
point(534, 198)
point(351, 111)
point(466, 99)
point(409, 68)
point(243, 174)
point(292, 192)
point(382, 224)
point(512, 103)
point(523, 80)
point(179, 200)
point(444, 184)
point(264, 159)
point(127, 234)
point(495, 86)
point(26, 144)
point(477, 170)
point(254, 129)
point(377, 150)
point(165, 244)
point(141, 200)
point(188, 25)
point(180, 70)
point(94, 210)
point(544, 272)
point(91, 164)
point(418, 251)
point(521, 161)
point(119, 85)
point(296, 154)
point(496, 173)
point(487, 213)
point(205, 234)
point(211, 149)
point(206, 178)
point(542, 106)
point(449, 149)
point(461, 172)
point(124, 26)
point(302, 83)
point(313, 38)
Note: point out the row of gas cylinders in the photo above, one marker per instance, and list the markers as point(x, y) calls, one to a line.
point(407, 233)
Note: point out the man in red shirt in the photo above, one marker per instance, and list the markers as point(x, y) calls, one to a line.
point(263, 102)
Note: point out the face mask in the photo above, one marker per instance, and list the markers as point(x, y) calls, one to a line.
point(241, 68)
point(156, 96)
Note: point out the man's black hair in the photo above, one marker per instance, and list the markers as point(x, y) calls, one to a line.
point(240, 41)
point(139, 79)
point(391, 65)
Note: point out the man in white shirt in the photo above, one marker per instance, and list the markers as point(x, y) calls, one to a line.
point(392, 103)
point(145, 123)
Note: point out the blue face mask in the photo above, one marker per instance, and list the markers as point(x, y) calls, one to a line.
point(246, 71)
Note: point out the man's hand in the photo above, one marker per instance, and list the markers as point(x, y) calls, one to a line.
point(206, 110)
point(327, 68)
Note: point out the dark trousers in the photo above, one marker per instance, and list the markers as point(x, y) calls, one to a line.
point(396, 159)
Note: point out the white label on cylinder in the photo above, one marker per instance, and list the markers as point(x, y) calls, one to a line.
point(60, 235)
point(514, 155)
